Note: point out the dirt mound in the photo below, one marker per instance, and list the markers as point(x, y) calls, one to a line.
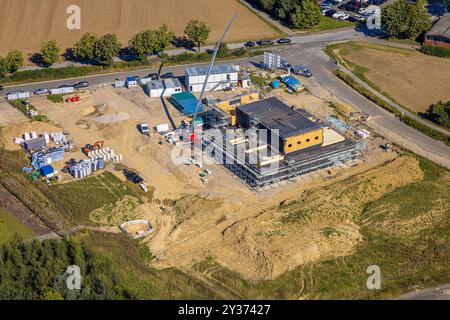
point(322, 223)
point(261, 244)
point(7, 134)
point(106, 113)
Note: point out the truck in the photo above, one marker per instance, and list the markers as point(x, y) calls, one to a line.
point(144, 128)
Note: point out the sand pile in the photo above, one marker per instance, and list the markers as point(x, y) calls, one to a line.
point(106, 113)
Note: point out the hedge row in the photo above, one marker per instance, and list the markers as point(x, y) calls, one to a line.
point(436, 51)
point(408, 120)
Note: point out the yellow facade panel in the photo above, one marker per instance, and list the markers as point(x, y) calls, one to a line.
point(303, 141)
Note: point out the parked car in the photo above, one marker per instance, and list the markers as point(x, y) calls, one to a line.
point(362, 10)
point(81, 84)
point(359, 18)
point(41, 91)
point(266, 42)
point(326, 5)
point(286, 65)
point(168, 75)
point(324, 11)
point(284, 41)
point(153, 76)
point(340, 15)
point(250, 44)
point(330, 13)
point(302, 71)
point(15, 92)
point(65, 86)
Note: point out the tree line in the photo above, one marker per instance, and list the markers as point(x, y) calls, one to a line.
point(37, 271)
point(299, 14)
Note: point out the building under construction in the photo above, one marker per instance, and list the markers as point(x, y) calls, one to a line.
point(272, 142)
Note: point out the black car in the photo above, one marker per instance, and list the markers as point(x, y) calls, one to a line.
point(168, 75)
point(330, 12)
point(153, 76)
point(82, 84)
point(132, 176)
point(250, 44)
point(266, 42)
point(284, 41)
point(377, 2)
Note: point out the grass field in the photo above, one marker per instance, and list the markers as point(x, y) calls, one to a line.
point(410, 78)
point(101, 191)
point(36, 21)
point(406, 233)
point(11, 228)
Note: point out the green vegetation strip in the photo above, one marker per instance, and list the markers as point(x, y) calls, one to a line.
point(382, 103)
point(49, 74)
point(11, 228)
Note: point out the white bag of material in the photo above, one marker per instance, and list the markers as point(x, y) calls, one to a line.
point(33, 135)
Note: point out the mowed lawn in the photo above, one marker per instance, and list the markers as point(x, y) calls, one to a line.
point(411, 78)
point(10, 228)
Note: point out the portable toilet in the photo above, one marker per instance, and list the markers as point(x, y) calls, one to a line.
point(47, 171)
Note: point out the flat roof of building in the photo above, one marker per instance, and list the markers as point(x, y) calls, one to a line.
point(166, 83)
point(441, 27)
point(217, 69)
point(275, 114)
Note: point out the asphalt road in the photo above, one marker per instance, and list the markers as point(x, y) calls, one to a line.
point(438, 293)
point(308, 50)
point(383, 122)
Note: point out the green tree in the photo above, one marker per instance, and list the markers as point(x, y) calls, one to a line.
point(223, 50)
point(198, 32)
point(306, 14)
point(84, 49)
point(285, 8)
point(405, 20)
point(13, 61)
point(3, 68)
point(269, 5)
point(151, 41)
point(440, 113)
point(50, 52)
point(106, 48)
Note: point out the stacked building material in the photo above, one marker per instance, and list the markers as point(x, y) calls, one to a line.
point(106, 154)
point(43, 158)
point(85, 168)
point(58, 138)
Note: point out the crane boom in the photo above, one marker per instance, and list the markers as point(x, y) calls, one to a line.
point(211, 65)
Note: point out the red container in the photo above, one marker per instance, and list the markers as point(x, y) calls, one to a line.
point(77, 98)
point(73, 99)
point(68, 100)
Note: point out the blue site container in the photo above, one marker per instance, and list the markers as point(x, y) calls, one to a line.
point(47, 171)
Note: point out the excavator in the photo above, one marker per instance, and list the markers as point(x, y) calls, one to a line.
point(88, 148)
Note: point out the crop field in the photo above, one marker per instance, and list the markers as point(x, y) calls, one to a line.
point(413, 79)
point(36, 21)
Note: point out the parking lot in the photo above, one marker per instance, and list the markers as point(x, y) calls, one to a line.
point(352, 10)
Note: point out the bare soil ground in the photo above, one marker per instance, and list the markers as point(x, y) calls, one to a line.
point(413, 79)
point(25, 24)
point(244, 230)
point(10, 115)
